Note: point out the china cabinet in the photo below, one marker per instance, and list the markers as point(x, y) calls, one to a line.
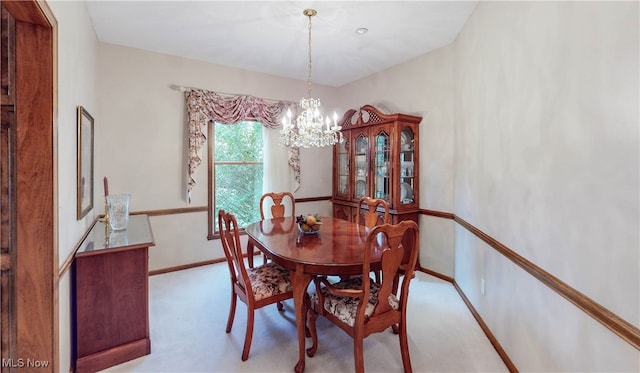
point(379, 158)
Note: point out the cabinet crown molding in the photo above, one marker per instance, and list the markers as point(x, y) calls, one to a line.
point(368, 115)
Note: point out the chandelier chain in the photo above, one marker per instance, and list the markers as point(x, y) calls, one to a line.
point(309, 75)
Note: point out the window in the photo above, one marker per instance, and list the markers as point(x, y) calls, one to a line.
point(238, 171)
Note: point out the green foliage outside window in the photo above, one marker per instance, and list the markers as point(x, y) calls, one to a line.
point(238, 170)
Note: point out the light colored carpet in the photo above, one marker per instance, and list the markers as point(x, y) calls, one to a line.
point(189, 309)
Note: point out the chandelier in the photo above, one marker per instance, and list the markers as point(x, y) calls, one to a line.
point(309, 129)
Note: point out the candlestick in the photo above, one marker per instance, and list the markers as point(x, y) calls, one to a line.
point(106, 204)
point(106, 186)
point(106, 211)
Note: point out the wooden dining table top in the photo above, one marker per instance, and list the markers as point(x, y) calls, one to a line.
point(336, 250)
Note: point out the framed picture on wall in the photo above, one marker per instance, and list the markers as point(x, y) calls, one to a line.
point(85, 163)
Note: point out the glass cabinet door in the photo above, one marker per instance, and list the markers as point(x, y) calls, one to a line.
point(342, 173)
point(382, 166)
point(407, 166)
point(361, 160)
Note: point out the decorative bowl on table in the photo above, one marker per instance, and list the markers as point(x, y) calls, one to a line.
point(309, 224)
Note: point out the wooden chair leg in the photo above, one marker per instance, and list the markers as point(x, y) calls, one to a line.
point(232, 311)
point(311, 324)
point(280, 306)
point(358, 352)
point(395, 284)
point(404, 348)
point(307, 307)
point(248, 336)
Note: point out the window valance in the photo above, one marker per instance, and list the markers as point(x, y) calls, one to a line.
point(204, 107)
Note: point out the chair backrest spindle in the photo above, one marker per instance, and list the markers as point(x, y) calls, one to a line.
point(230, 238)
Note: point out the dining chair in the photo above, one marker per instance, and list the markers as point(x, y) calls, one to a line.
point(278, 208)
point(370, 217)
point(343, 303)
point(256, 287)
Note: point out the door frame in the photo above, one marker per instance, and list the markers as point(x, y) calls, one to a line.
point(36, 265)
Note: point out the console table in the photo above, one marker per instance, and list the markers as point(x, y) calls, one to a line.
point(110, 295)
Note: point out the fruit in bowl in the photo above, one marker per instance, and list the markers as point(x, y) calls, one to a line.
point(309, 224)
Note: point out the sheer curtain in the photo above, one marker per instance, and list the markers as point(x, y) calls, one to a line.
point(281, 164)
point(278, 173)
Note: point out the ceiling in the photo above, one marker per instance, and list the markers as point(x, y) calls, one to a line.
point(272, 36)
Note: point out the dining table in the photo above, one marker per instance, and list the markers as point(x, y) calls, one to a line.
point(337, 250)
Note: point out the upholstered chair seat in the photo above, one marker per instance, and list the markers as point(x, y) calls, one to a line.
point(345, 308)
point(269, 280)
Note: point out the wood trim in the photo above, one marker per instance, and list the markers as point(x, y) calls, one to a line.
point(29, 12)
point(162, 212)
point(185, 266)
point(36, 280)
point(610, 320)
point(435, 274)
point(619, 326)
point(69, 261)
point(496, 345)
point(108, 358)
point(210, 182)
point(193, 265)
point(179, 210)
point(439, 214)
point(53, 23)
point(313, 199)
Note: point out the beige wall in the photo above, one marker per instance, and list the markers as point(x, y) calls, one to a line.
point(77, 59)
point(424, 87)
point(546, 162)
